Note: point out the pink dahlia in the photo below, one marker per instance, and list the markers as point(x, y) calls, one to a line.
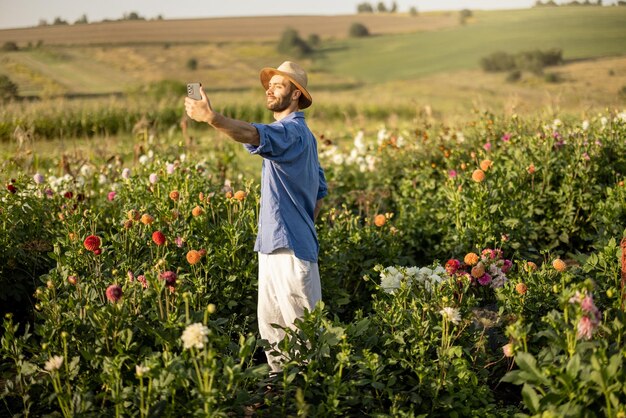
point(169, 277)
point(114, 293)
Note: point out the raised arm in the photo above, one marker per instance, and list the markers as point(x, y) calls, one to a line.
point(202, 111)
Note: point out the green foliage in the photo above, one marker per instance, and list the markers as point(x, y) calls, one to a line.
point(358, 30)
point(290, 43)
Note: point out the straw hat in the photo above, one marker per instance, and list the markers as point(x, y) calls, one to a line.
point(295, 74)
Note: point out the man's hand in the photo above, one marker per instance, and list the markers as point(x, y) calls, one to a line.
point(199, 110)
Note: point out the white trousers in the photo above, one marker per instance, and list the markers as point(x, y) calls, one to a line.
point(287, 286)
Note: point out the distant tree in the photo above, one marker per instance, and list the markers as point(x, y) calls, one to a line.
point(364, 8)
point(538, 3)
point(81, 20)
point(381, 8)
point(413, 11)
point(358, 30)
point(551, 3)
point(192, 64)
point(42, 22)
point(10, 46)
point(8, 89)
point(133, 16)
point(314, 39)
point(394, 7)
point(159, 17)
point(59, 21)
point(291, 44)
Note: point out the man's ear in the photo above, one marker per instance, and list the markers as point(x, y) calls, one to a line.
point(297, 95)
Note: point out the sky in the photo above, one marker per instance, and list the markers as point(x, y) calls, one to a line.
point(24, 13)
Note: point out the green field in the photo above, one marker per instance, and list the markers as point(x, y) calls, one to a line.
point(581, 33)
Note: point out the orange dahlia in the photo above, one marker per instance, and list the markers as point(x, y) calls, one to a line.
point(146, 219)
point(478, 270)
point(380, 220)
point(174, 195)
point(478, 175)
point(521, 288)
point(193, 257)
point(559, 265)
point(486, 165)
point(240, 195)
point(197, 211)
point(471, 259)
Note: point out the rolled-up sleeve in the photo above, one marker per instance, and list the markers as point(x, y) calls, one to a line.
point(276, 143)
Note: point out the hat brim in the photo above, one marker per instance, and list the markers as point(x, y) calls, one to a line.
point(305, 98)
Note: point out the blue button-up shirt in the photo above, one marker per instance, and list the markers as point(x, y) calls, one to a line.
point(291, 183)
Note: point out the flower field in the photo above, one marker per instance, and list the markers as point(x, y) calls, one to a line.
point(473, 270)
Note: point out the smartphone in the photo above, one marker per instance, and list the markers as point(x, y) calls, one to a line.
point(193, 91)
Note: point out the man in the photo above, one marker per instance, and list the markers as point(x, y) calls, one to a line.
point(292, 189)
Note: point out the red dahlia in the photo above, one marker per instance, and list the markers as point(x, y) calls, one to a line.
point(92, 243)
point(11, 188)
point(158, 238)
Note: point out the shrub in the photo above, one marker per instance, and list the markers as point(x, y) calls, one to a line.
point(497, 61)
point(514, 76)
point(553, 78)
point(358, 30)
point(10, 46)
point(192, 64)
point(291, 44)
point(364, 8)
point(413, 11)
point(8, 89)
point(534, 61)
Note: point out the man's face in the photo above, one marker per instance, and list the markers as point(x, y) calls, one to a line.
point(279, 93)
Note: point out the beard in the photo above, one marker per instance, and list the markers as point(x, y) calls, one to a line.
point(278, 104)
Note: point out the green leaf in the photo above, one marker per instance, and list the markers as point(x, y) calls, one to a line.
point(528, 364)
point(573, 366)
point(531, 399)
